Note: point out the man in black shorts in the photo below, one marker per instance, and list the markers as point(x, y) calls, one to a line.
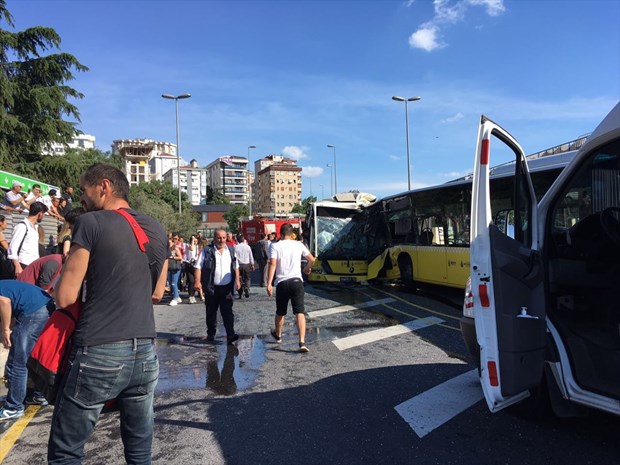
point(285, 264)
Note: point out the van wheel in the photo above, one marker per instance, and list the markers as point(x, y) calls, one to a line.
point(406, 270)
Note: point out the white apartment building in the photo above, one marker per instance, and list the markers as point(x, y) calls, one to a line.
point(193, 181)
point(230, 175)
point(277, 185)
point(79, 142)
point(137, 155)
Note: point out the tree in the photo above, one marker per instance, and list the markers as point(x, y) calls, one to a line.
point(160, 200)
point(34, 96)
point(303, 207)
point(216, 196)
point(234, 215)
point(65, 170)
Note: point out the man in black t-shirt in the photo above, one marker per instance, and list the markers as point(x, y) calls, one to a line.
point(113, 356)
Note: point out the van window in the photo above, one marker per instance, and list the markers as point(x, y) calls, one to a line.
point(595, 187)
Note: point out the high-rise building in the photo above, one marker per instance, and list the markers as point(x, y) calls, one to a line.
point(230, 175)
point(277, 185)
point(193, 181)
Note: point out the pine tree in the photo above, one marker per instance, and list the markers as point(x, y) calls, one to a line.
point(34, 97)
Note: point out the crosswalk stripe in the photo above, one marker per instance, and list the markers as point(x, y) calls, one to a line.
point(348, 308)
point(383, 333)
point(431, 409)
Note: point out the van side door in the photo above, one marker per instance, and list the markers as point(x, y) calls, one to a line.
point(507, 279)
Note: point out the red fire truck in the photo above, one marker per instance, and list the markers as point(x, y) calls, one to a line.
point(252, 229)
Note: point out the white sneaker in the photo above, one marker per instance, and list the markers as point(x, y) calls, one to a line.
point(179, 300)
point(173, 302)
point(192, 300)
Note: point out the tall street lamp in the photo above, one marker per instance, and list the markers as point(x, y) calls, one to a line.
point(331, 179)
point(335, 172)
point(410, 99)
point(176, 103)
point(249, 177)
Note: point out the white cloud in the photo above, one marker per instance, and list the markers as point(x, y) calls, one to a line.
point(294, 152)
point(453, 118)
point(312, 171)
point(428, 37)
point(425, 38)
point(395, 157)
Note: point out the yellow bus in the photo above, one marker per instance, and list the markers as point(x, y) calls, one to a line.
point(335, 229)
point(423, 235)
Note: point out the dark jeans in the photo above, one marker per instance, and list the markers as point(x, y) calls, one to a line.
point(126, 371)
point(188, 270)
point(246, 278)
point(293, 290)
point(25, 333)
point(222, 299)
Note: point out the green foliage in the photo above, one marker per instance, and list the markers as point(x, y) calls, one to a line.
point(303, 207)
point(65, 170)
point(160, 200)
point(34, 97)
point(216, 197)
point(234, 215)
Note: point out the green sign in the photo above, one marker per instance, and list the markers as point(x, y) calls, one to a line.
point(6, 182)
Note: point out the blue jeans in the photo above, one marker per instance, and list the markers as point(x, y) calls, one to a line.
point(25, 333)
point(126, 371)
point(173, 279)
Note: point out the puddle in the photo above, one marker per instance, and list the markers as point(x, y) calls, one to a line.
point(192, 363)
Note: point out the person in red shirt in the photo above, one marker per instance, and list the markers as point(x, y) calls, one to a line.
point(230, 239)
point(43, 271)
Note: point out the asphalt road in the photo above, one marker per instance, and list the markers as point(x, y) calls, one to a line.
point(386, 381)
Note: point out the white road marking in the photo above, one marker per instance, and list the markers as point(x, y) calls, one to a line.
point(438, 405)
point(383, 333)
point(348, 308)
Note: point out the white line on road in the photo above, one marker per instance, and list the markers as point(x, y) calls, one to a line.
point(438, 405)
point(348, 308)
point(383, 333)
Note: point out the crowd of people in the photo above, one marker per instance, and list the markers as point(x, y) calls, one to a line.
point(115, 267)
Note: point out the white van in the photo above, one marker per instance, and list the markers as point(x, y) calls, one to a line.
point(546, 298)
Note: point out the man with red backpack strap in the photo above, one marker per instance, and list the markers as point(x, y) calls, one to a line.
point(113, 354)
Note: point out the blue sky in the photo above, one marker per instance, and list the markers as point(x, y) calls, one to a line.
point(293, 76)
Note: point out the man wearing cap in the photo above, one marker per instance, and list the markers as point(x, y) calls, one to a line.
point(15, 198)
point(24, 246)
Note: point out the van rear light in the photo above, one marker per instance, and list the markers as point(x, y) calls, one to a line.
point(492, 369)
point(484, 152)
point(484, 297)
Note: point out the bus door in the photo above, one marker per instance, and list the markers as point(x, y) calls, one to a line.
point(457, 209)
point(506, 279)
point(430, 260)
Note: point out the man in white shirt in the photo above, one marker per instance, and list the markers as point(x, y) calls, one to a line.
point(285, 264)
point(24, 246)
point(246, 265)
point(14, 199)
point(217, 272)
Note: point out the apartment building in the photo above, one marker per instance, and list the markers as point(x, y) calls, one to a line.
point(230, 175)
point(277, 185)
point(79, 142)
point(193, 181)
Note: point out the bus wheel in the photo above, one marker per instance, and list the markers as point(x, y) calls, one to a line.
point(406, 270)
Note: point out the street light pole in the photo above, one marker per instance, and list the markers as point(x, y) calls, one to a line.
point(250, 186)
point(331, 146)
point(331, 179)
point(176, 104)
point(410, 99)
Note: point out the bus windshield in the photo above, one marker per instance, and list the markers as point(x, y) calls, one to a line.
point(340, 233)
